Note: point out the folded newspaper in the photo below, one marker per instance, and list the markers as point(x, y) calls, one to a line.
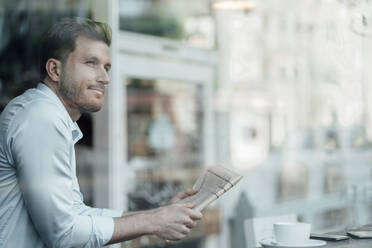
point(214, 182)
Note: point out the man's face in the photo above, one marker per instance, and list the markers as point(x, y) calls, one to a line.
point(84, 75)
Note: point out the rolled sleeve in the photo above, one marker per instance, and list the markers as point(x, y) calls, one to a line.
point(112, 213)
point(82, 209)
point(92, 231)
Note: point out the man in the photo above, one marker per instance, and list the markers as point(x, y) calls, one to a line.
point(40, 201)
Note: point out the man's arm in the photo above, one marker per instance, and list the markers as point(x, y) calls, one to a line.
point(80, 208)
point(172, 222)
point(41, 149)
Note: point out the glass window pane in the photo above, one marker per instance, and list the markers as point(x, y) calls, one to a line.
point(164, 138)
point(190, 21)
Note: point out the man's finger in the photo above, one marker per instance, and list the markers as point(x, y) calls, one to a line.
point(186, 193)
point(185, 230)
point(191, 224)
point(189, 205)
point(190, 192)
point(195, 214)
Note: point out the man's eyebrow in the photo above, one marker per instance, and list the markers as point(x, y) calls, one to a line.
point(92, 57)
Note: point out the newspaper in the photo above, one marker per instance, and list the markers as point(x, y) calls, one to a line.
point(214, 182)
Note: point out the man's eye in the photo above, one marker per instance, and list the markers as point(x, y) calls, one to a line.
point(91, 63)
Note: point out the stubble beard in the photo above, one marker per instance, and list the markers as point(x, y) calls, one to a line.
point(74, 100)
point(72, 95)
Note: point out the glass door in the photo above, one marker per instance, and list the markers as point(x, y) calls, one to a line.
point(168, 125)
point(165, 139)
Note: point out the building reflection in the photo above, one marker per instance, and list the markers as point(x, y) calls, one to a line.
point(278, 91)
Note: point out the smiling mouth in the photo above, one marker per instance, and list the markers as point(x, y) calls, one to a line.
point(98, 89)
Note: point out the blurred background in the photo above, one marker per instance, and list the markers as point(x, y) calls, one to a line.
point(279, 91)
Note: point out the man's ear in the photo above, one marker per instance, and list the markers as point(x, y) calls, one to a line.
point(53, 68)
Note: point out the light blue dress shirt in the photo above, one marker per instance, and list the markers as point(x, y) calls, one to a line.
point(40, 200)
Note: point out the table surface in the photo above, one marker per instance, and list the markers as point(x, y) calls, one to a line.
point(352, 242)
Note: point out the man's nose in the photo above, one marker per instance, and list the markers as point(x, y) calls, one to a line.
point(104, 76)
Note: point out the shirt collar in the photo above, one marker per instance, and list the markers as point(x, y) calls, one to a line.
point(75, 130)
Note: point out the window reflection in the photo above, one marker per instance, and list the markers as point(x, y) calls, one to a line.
point(164, 138)
point(190, 21)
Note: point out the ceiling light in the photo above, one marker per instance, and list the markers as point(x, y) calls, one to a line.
point(233, 5)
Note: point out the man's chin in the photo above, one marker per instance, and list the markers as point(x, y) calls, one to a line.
point(95, 109)
point(92, 108)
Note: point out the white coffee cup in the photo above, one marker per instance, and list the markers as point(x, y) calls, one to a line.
point(291, 232)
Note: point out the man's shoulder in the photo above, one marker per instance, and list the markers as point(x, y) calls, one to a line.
point(33, 106)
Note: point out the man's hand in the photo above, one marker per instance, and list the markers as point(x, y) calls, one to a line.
point(174, 222)
point(181, 195)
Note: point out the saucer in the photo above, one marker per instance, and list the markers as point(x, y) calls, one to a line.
point(270, 243)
